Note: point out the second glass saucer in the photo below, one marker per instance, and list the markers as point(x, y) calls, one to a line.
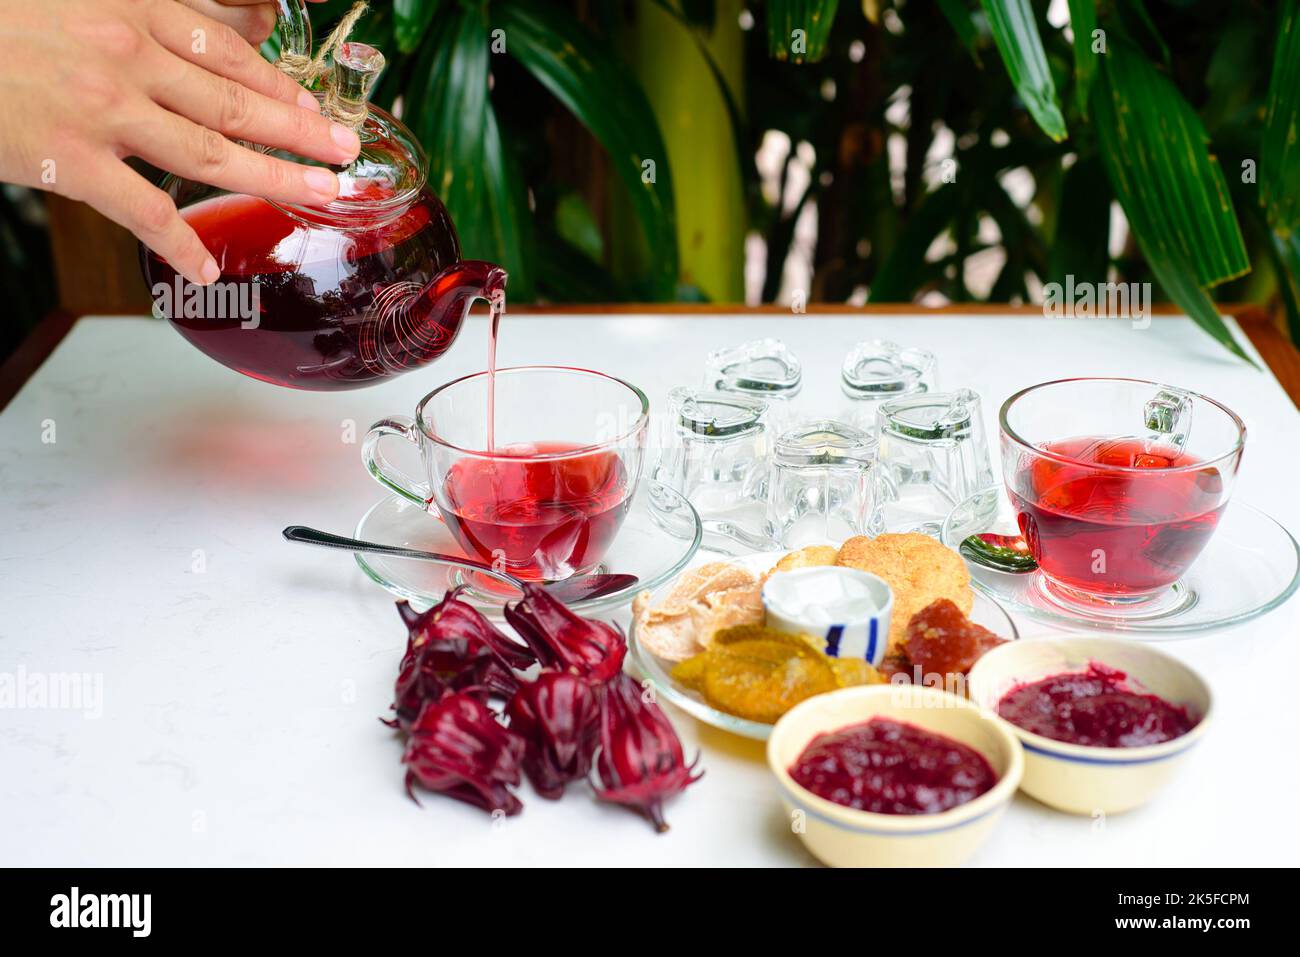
point(1250, 566)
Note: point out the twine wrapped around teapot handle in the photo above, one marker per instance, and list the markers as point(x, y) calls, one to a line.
point(346, 80)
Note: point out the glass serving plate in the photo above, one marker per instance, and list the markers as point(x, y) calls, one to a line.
point(655, 549)
point(1249, 567)
point(985, 612)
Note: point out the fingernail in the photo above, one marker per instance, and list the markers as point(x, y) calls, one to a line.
point(210, 272)
point(308, 102)
point(322, 181)
point(345, 139)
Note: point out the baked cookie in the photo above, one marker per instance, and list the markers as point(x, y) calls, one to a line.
point(917, 568)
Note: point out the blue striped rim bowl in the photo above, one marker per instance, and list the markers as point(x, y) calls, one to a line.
point(1092, 780)
point(844, 837)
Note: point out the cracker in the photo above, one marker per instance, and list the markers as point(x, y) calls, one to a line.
point(919, 570)
point(713, 596)
point(808, 557)
point(725, 609)
point(693, 585)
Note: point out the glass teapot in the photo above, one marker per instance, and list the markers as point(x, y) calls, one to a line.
point(332, 297)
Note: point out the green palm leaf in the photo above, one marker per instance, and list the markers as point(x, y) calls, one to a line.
point(598, 90)
point(1171, 188)
point(1016, 33)
point(799, 30)
point(1280, 156)
point(1083, 20)
point(905, 269)
point(411, 20)
point(451, 114)
point(959, 18)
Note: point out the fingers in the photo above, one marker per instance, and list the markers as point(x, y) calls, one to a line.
point(218, 49)
point(198, 153)
point(222, 104)
point(254, 20)
point(125, 197)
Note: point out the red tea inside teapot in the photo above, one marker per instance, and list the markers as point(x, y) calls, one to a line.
point(333, 297)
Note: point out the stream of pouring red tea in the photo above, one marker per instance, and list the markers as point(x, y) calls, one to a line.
point(528, 508)
point(1124, 518)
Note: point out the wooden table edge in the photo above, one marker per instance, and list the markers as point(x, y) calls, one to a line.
point(1277, 351)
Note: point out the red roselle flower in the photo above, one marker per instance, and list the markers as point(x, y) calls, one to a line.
point(458, 748)
point(558, 714)
point(566, 641)
point(640, 761)
point(453, 647)
point(460, 629)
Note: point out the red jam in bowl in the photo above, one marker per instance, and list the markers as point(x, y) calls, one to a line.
point(1095, 708)
point(890, 767)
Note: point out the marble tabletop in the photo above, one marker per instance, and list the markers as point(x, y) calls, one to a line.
point(211, 693)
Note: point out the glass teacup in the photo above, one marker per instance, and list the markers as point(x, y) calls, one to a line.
point(543, 493)
point(1118, 485)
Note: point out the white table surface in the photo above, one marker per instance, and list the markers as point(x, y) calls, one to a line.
point(242, 676)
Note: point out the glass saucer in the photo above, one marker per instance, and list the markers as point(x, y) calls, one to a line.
point(985, 611)
point(1250, 566)
point(642, 548)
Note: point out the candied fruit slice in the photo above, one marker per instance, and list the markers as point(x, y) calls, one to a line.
point(762, 689)
point(740, 633)
point(691, 671)
point(943, 641)
point(775, 646)
point(854, 671)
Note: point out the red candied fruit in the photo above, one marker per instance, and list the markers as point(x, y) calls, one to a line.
point(942, 641)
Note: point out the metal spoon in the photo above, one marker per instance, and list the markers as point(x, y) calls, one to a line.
point(581, 588)
point(1003, 553)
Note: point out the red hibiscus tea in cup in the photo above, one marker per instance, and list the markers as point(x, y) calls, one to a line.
point(535, 512)
point(1127, 519)
point(1118, 485)
point(531, 468)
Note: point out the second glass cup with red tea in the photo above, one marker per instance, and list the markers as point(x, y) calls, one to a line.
point(535, 482)
point(1118, 484)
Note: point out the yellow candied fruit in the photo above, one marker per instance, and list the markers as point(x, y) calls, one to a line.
point(691, 671)
point(738, 633)
point(764, 688)
point(854, 671)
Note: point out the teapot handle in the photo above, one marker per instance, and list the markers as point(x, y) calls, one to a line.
point(294, 26)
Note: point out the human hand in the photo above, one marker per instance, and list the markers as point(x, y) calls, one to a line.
point(252, 19)
point(90, 82)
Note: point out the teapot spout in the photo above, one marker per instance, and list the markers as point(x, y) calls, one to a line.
point(447, 296)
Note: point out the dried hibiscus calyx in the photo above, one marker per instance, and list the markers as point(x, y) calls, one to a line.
point(565, 641)
point(417, 684)
point(458, 631)
point(558, 715)
point(640, 762)
point(453, 647)
point(458, 748)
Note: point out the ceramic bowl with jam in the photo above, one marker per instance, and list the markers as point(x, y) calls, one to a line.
point(1105, 724)
point(826, 741)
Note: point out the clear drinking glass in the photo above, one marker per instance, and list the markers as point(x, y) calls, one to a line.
point(876, 371)
point(533, 474)
point(1118, 485)
point(760, 369)
point(823, 485)
point(716, 454)
point(933, 455)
